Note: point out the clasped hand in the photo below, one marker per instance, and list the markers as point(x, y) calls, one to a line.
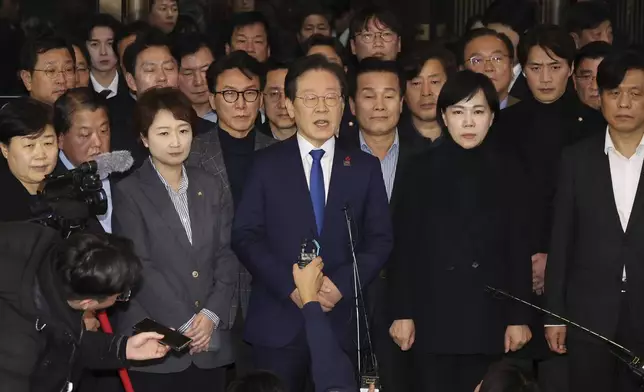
point(312, 285)
point(200, 332)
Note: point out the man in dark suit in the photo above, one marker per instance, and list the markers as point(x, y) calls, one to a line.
point(595, 272)
point(377, 102)
point(298, 189)
point(279, 124)
point(100, 42)
point(226, 150)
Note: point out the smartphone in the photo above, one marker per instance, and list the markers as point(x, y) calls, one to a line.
point(171, 338)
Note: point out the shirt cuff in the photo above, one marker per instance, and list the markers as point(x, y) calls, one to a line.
point(187, 325)
point(211, 315)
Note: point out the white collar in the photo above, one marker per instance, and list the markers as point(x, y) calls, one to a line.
point(609, 145)
point(306, 147)
point(113, 87)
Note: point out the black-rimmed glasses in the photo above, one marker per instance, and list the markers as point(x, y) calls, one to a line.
point(231, 96)
point(369, 36)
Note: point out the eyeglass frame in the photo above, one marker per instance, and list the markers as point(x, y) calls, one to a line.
point(501, 57)
point(586, 78)
point(362, 36)
point(238, 93)
point(317, 101)
point(52, 74)
point(281, 94)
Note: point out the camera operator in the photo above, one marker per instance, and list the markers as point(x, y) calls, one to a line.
point(45, 285)
point(80, 118)
point(28, 142)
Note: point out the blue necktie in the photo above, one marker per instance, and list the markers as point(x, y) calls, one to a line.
point(317, 188)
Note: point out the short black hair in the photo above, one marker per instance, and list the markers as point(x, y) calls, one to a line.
point(385, 16)
point(96, 266)
point(24, 117)
point(237, 59)
point(612, 70)
point(73, 100)
point(463, 86)
point(472, 20)
point(413, 61)
point(243, 19)
point(135, 28)
point(587, 15)
point(258, 381)
point(37, 45)
point(332, 42)
point(374, 64)
point(145, 40)
point(83, 49)
point(102, 20)
point(519, 15)
point(504, 376)
point(484, 32)
point(188, 44)
point(551, 38)
point(312, 7)
point(312, 63)
point(593, 50)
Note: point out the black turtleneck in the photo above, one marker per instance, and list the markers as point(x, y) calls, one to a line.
point(538, 132)
point(238, 155)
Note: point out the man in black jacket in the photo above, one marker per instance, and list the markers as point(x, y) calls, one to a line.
point(45, 285)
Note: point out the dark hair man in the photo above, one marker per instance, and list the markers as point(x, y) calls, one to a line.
point(585, 75)
point(426, 69)
point(46, 284)
point(280, 125)
point(164, 14)
point(490, 53)
point(47, 68)
point(250, 32)
point(313, 19)
point(278, 209)
point(589, 21)
point(101, 45)
point(194, 55)
point(594, 275)
point(375, 32)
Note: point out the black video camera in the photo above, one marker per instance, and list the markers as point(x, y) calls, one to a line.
point(67, 200)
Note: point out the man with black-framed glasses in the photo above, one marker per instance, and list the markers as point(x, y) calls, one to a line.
point(585, 75)
point(226, 150)
point(375, 32)
point(47, 68)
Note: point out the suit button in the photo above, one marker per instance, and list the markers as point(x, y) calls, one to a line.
point(475, 265)
point(197, 303)
point(350, 123)
point(195, 274)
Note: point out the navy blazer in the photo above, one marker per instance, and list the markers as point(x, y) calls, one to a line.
point(276, 213)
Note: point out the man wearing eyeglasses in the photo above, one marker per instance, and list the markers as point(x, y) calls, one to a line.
point(280, 125)
point(47, 68)
point(301, 189)
point(375, 32)
point(490, 53)
point(585, 77)
point(227, 150)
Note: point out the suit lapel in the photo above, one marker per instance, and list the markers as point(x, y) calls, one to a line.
point(157, 194)
point(638, 204)
point(604, 188)
point(340, 180)
point(300, 191)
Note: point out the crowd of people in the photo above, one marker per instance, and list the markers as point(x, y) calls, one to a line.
point(427, 171)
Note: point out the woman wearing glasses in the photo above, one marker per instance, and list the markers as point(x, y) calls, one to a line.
point(179, 219)
point(459, 229)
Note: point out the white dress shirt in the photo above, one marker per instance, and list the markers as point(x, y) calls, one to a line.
point(326, 161)
point(625, 175)
point(516, 71)
point(113, 87)
point(106, 219)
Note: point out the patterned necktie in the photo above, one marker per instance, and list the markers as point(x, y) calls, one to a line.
point(317, 188)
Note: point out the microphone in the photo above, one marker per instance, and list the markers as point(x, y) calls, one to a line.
point(113, 162)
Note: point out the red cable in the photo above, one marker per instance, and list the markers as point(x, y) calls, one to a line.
point(107, 328)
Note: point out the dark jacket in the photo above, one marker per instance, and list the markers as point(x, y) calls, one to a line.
point(43, 344)
point(456, 230)
point(15, 201)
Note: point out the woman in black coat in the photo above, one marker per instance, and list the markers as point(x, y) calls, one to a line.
point(457, 230)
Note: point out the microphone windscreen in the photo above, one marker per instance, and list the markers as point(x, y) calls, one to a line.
point(113, 162)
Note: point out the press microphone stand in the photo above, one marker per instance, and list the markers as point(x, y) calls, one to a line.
point(357, 291)
point(620, 352)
